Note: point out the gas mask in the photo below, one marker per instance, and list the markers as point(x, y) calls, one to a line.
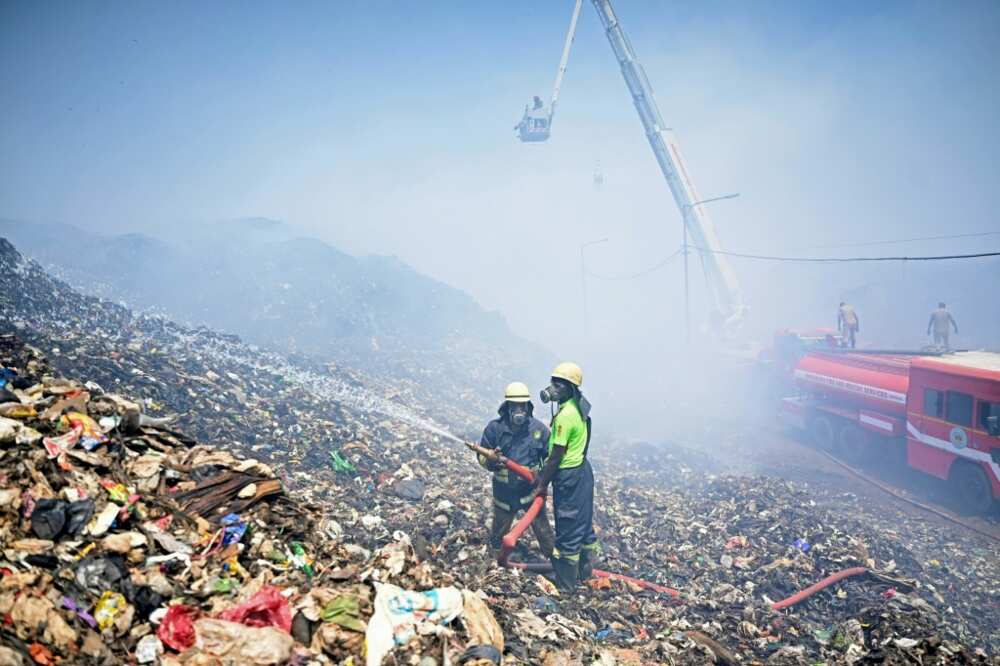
point(518, 414)
point(555, 392)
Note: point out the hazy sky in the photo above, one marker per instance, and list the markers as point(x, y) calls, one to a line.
point(387, 128)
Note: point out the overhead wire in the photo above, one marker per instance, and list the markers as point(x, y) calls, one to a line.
point(660, 264)
point(762, 257)
point(904, 240)
point(765, 257)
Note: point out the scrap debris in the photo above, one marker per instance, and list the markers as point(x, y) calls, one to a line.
point(167, 497)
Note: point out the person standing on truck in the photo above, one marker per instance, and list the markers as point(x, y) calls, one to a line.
point(940, 322)
point(847, 323)
point(516, 435)
point(572, 478)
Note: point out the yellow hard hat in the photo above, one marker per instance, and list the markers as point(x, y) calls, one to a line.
point(569, 371)
point(517, 392)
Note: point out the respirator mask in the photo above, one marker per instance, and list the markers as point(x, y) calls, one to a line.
point(554, 392)
point(518, 414)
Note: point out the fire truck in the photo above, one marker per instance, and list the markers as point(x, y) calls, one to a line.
point(937, 412)
point(774, 366)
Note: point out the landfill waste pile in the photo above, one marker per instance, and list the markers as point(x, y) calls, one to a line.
point(211, 385)
point(127, 538)
point(375, 314)
point(130, 543)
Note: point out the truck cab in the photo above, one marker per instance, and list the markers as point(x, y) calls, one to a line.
point(953, 405)
point(937, 412)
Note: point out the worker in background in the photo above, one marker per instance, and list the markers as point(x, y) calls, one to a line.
point(572, 478)
point(941, 322)
point(535, 115)
point(516, 435)
point(847, 324)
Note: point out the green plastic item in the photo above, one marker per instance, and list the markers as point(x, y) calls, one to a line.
point(299, 557)
point(341, 464)
point(276, 556)
point(345, 611)
point(223, 585)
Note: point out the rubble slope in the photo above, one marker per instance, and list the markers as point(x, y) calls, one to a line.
point(407, 501)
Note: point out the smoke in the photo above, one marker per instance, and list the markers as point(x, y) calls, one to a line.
point(391, 133)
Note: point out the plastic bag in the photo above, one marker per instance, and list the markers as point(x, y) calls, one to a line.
point(109, 607)
point(91, 435)
point(235, 528)
point(96, 574)
point(177, 628)
point(341, 464)
point(55, 447)
point(51, 518)
point(237, 643)
point(78, 514)
point(48, 518)
point(267, 608)
point(399, 611)
point(345, 611)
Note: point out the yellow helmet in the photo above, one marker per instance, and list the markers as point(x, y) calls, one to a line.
point(517, 392)
point(569, 371)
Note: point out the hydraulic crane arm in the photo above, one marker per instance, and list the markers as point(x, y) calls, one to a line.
point(728, 297)
point(570, 34)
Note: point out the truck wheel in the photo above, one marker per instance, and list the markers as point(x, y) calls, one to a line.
point(971, 487)
point(821, 429)
point(853, 444)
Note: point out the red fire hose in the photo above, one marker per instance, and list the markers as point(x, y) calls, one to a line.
point(813, 589)
point(510, 541)
point(645, 584)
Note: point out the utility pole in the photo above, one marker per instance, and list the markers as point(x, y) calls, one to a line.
point(687, 291)
point(583, 280)
point(684, 248)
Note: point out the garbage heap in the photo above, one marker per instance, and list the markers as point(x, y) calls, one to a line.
point(380, 498)
point(127, 542)
point(288, 412)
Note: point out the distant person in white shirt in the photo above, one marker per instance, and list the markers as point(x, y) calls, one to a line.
point(941, 322)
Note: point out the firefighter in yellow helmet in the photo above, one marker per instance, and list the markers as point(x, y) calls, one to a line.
point(517, 435)
point(571, 476)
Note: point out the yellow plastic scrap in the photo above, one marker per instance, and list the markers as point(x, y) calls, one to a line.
point(86, 549)
point(18, 411)
point(118, 493)
point(109, 607)
point(233, 566)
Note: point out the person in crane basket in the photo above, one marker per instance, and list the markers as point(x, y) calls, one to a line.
point(572, 478)
point(517, 435)
point(847, 323)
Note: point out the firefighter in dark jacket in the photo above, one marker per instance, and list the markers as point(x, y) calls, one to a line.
point(517, 435)
point(572, 478)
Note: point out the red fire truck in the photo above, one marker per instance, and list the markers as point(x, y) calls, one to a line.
point(775, 365)
point(938, 412)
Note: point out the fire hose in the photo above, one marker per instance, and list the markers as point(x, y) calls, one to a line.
point(813, 589)
point(510, 541)
point(920, 505)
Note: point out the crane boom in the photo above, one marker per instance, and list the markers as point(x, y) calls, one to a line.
point(570, 34)
point(725, 287)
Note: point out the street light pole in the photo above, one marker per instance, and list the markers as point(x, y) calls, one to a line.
point(583, 280)
point(687, 291)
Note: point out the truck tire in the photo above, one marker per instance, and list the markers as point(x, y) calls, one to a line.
point(822, 432)
point(971, 487)
point(853, 443)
